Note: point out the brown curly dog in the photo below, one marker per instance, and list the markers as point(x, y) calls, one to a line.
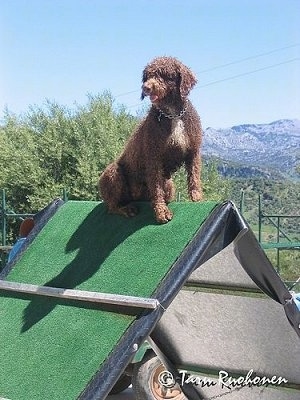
point(169, 136)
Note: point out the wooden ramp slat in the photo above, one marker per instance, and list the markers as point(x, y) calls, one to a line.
point(81, 295)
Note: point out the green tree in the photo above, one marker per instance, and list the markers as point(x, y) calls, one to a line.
point(53, 147)
point(20, 171)
point(215, 187)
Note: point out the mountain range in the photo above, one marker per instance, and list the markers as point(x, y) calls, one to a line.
point(267, 150)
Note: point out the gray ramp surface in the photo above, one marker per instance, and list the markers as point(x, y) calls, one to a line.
point(222, 320)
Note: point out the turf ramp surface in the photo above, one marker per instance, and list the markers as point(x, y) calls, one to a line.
point(51, 348)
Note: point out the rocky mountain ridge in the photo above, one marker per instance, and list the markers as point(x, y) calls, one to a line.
point(273, 147)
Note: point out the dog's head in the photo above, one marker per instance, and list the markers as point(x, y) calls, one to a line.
point(164, 77)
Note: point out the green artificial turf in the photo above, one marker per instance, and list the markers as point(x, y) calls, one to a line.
point(51, 348)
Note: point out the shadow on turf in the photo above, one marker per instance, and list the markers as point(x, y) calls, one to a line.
point(97, 236)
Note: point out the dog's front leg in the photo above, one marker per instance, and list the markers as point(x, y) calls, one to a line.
point(158, 197)
point(193, 169)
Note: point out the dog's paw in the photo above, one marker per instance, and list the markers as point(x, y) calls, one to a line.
point(196, 195)
point(163, 214)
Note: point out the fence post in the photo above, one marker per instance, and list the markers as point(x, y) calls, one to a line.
point(64, 194)
point(3, 217)
point(259, 218)
point(242, 201)
point(278, 240)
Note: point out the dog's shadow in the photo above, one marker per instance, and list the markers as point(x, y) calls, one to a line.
point(97, 236)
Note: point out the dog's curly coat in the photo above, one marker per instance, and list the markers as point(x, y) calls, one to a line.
point(167, 138)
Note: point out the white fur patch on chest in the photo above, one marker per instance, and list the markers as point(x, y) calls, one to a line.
point(178, 137)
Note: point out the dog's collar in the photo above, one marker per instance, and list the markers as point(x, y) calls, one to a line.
point(170, 116)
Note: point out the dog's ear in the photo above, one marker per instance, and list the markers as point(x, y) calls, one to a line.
point(144, 79)
point(188, 81)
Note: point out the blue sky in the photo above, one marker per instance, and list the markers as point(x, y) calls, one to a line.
point(245, 53)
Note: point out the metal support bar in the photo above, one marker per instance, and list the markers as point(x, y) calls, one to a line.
point(15, 215)
point(81, 295)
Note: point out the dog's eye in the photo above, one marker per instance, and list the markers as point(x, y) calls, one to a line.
point(167, 79)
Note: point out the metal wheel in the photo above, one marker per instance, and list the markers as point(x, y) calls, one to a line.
point(151, 381)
